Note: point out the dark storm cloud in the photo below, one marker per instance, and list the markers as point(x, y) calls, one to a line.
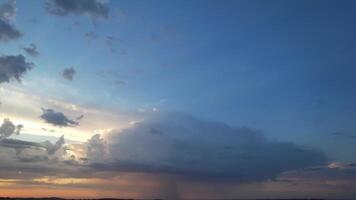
point(180, 144)
point(57, 118)
point(92, 8)
point(69, 73)
point(32, 50)
point(7, 129)
point(13, 67)
point(7, 30)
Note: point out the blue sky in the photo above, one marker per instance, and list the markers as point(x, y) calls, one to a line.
point(283, 68)
point(216, 60)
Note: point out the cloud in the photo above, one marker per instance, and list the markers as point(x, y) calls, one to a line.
point(53, 148)
point(339, 165)
point(96, 148)
point(7, 30)
point(119, 82)
point(110, 41)
point(69, 73)
point(32, 50)
point(8, 128)
point(344, 135)
point(79, 117)
point(19, 144)
point(92, 8)
point(8, 10)
point(13, 67)
point(90, 35)
point(57, 118)
point(27, 151)
point(179, 144)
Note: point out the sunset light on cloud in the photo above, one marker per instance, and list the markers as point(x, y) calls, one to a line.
point(210, 99)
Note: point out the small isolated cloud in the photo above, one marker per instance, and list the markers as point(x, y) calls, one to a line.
point(90, 35)
point(57, 118)
point(13, 67)
point(179, 144)
point(119, 82)
point(69, 73)
point(7, 30)
point(110, 41)
point(8, 128)
point(91, 8)
point(32, 50)
point(80, 117)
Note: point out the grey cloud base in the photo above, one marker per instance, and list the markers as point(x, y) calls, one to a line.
point(176, 143)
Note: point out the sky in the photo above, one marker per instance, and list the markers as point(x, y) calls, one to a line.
point(178, 99)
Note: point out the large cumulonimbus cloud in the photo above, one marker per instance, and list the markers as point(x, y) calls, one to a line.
point(57, 118)
point(13, 67)
point(183, 145)
point(92, 8)
point(7, 30)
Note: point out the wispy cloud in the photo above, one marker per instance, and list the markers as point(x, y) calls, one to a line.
point(32, 50)
point(92, 8)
